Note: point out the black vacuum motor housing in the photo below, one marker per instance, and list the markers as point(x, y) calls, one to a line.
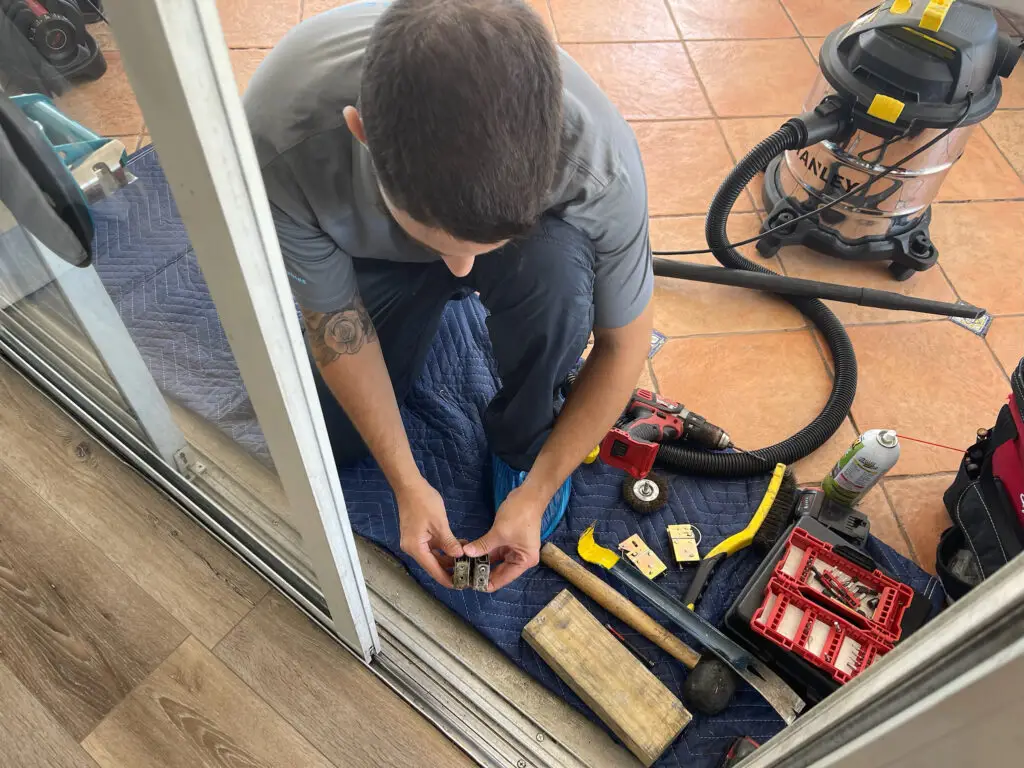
point(907, 70)
point(45, 46)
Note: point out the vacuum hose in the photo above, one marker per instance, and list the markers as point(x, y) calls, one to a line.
point(795, 134)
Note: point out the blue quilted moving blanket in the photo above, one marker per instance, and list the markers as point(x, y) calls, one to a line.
point(147, 265)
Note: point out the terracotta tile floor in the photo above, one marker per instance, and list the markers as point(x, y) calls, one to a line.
point(702, 82)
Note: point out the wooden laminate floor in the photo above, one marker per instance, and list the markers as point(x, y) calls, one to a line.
point(131, 639)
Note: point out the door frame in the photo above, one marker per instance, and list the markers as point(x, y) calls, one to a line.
point(177, 62)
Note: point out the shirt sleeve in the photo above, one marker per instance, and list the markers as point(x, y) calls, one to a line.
point(322, 276)
point(615, 218)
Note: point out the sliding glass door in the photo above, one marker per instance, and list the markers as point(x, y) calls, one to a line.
point(168, 328)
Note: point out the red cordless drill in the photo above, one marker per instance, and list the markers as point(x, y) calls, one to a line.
point(632, 444)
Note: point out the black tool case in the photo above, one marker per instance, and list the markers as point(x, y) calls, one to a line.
point(811, 683)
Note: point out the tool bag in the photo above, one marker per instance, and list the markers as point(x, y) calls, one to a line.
point(986, 501)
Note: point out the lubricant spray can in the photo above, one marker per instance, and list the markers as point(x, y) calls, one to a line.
point(872, 455)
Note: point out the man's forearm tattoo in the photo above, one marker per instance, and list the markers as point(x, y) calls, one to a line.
point(342, 332)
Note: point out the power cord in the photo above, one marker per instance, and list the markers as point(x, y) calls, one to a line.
point(858, 190)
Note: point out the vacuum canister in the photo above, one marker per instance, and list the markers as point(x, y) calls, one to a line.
point(909, 71)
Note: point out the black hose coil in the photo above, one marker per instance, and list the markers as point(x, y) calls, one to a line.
point(844, 384)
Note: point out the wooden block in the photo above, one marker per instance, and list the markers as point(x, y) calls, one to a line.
point(630, 700)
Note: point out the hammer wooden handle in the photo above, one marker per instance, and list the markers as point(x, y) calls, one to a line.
point(617, 605)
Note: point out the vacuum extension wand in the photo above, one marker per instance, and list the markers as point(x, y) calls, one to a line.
point(793, 286)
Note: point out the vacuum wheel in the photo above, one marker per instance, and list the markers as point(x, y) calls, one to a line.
point(901, 272)
point(646, 495)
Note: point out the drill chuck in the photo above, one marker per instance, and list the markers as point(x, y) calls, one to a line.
point(699, 430)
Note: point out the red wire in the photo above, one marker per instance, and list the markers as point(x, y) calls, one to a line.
point(926, 442)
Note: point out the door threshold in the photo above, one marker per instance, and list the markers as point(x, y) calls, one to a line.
point(474, 693)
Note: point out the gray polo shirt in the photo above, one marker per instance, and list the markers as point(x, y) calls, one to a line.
point(325, 200)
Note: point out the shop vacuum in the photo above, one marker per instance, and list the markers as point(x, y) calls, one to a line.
point(900, 90)
point(45, 46)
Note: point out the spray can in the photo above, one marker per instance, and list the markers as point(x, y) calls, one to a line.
point(872, 455)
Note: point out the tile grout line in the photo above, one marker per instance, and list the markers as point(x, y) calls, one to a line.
point(805, 327)
point(999, 149)
point(992, 352)
point(551, 15)
point(792, 21)
point(948, 473)
point(706, 95)
point(813, 54)
point(707, 117)
point(899, 522)
point(683, 38)
point(984, 339)
point(650, 372)
point(982, 201)
point(619, 42)
point(751, 332)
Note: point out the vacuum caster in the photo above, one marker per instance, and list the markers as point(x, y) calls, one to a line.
point(901, 272)
point(920, 249)
point(646, 494)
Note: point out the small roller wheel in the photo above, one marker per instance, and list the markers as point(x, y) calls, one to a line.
point(710, 686)
point(900, 272)
point(646, 495)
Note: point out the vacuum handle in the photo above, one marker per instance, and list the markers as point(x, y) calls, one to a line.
point(812, 289)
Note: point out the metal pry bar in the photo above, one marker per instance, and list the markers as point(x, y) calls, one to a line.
point(770, 686)
point(782, 698)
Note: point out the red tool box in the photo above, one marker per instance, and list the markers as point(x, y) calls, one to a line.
point(825, 608)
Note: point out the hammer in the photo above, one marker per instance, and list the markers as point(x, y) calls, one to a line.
point(711, 683)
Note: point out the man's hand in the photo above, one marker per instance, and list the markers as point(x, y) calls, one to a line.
point(424, 530)
point(514, 539)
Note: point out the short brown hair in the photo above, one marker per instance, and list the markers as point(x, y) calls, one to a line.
point(461, 101)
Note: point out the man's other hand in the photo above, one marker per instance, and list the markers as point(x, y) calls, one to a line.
point(513, 541)
point(425, 532)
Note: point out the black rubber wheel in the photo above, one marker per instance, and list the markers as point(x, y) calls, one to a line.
point(710, 686)
point(900, 272)
point(646, 495)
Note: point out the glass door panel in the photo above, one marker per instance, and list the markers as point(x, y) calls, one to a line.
point(135, 332)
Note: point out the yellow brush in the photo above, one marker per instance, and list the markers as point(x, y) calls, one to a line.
point(772, 513)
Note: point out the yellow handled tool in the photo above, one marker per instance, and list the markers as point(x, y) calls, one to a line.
point(776, 505)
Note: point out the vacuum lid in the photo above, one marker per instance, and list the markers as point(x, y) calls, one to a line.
point(912, 63)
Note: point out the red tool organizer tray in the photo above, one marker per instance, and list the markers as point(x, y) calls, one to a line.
point(807, 608)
